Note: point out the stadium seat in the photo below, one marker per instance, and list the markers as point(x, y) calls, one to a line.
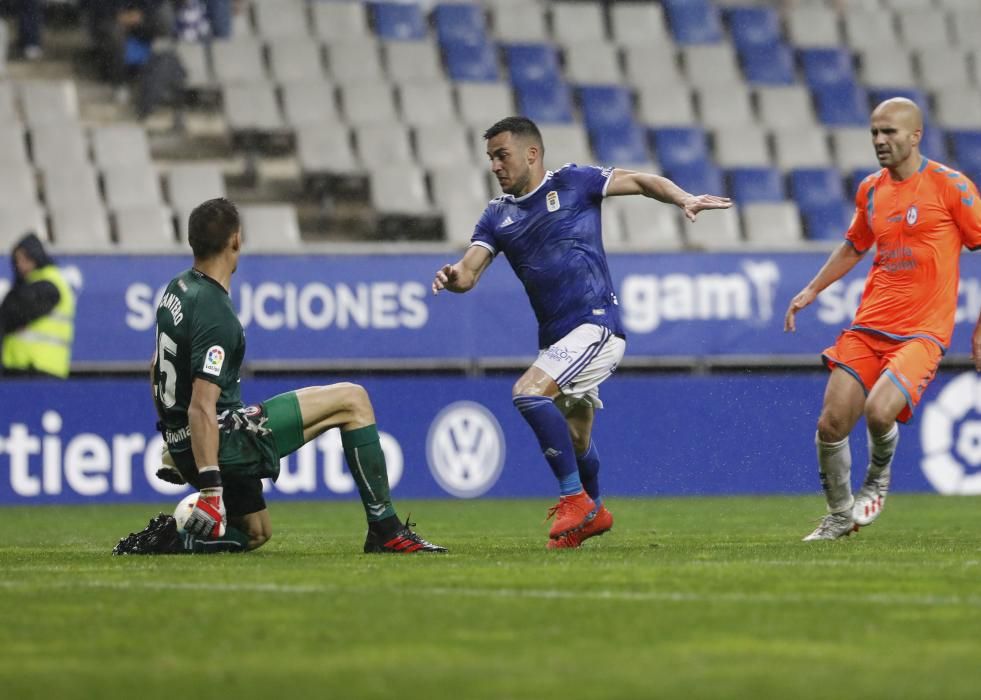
point(460, 192)
point(667, 105)
point(697, 177)
point(295, 58)
point(827, 66)
point(309, 102)
point(812, 26)
point(380, 145)
point(752, 27)
point(958, 108)
point(865, 29)
point(565, 143)
point(399, 190)
point(606, 107)
point(459, 24)
point(923, 28)
point(280, 18)
point(58, 145)
point(355, 61)
point(711, 65)
point(852, 148)
point(339, 20)
point(8, 107)
point(942, 66)
point(471, 62)
point(592, 63)
point(80, 229)
point(680, 146)
point(325, 152)
point(519, 21)
point(612, 228)
point(189, 184)
point(72, 187)
point(238, 60)
point(442, 144)
point(843, 104)
point(130, 186)
point(426, 103)
point(13, 147)
point(398, 21)
point(17, 185)
point(775, 224)
point(16, 221)
point(638, 23)
point(785, 106)
point(801, 148)
point(827, 222)
point(547, 103)
point(768, 65)
point(482, 104)
point(755, 185)
point(4, 43)
point(46, 102)
point(816, 187)
point(855, 178)
point(887, 66)
point(966, 146)
point(652, 65)
point(966, 23)
point(119, 144)
point(532, 65)
point(647, 225)
point(693, 21)
point(369, 103)
point(741, 146)
point(408, 61)
point(270, 227)
point(146, 229)
point(577, 21)
point(624, 147)
point(724, 105)
point(193, 58)
point(721, 231)
point(252, 108)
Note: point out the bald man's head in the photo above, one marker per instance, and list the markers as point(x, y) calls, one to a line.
point(897, 126)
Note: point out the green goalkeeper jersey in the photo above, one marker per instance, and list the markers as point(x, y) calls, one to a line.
point(198, 336)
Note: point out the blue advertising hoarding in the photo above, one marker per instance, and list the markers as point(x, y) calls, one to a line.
point(304, 310)
point(91, 440)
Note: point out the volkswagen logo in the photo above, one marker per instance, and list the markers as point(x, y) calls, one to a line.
point(950, 435)
point(465, 449)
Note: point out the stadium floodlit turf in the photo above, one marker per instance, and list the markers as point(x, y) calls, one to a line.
point(693, 598)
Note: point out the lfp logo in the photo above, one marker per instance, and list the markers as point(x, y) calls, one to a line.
point(465, 449)
point(950, 435)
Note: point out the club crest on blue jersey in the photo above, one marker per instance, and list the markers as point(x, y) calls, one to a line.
point(912, 214)
point(552, 201)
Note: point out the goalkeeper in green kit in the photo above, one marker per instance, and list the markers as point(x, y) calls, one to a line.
point(224, 448)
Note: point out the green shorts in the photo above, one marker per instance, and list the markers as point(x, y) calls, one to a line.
point(252, 440)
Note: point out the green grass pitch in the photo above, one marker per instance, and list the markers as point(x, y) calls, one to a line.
point(685, 598)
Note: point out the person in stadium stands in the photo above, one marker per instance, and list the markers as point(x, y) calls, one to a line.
point(548, 225)
point(917, 213)
point(224, 448)
point(37, 316)
point(30, 20)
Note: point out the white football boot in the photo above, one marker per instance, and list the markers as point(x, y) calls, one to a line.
point(871, 498)
point(833, 526)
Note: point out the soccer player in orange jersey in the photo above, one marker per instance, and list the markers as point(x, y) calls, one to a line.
point(918, 214)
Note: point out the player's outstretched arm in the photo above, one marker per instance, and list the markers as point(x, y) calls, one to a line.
point(625, 182)
point(208, 517)
point(463, 275)
point(838, 264)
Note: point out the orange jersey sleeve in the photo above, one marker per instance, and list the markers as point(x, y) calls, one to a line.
point(859, 231)
point(964, 205)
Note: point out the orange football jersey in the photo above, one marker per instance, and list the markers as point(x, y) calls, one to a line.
point(918, 226)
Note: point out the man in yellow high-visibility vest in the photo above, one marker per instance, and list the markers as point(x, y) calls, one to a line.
point(37, 317)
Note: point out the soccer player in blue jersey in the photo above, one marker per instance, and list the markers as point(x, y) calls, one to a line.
point(547, 224)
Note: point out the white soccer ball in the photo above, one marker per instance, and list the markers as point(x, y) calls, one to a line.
point(183, 510)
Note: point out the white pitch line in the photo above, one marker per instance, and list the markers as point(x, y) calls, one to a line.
point(519, 593)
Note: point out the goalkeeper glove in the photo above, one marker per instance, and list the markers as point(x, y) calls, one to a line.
point(208, 518)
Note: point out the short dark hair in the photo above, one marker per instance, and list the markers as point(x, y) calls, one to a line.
point(519, 126)
point(211, 225)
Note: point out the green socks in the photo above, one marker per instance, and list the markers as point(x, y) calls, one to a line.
point(366, 461)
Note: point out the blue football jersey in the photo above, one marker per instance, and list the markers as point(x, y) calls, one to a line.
point(553, 239)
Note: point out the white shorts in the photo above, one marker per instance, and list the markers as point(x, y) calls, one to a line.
point(580, 362)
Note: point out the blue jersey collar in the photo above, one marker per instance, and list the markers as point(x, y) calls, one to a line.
point(522, 198)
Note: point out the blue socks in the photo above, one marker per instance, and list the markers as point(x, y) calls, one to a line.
point(549, 425)
point(589, 464)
